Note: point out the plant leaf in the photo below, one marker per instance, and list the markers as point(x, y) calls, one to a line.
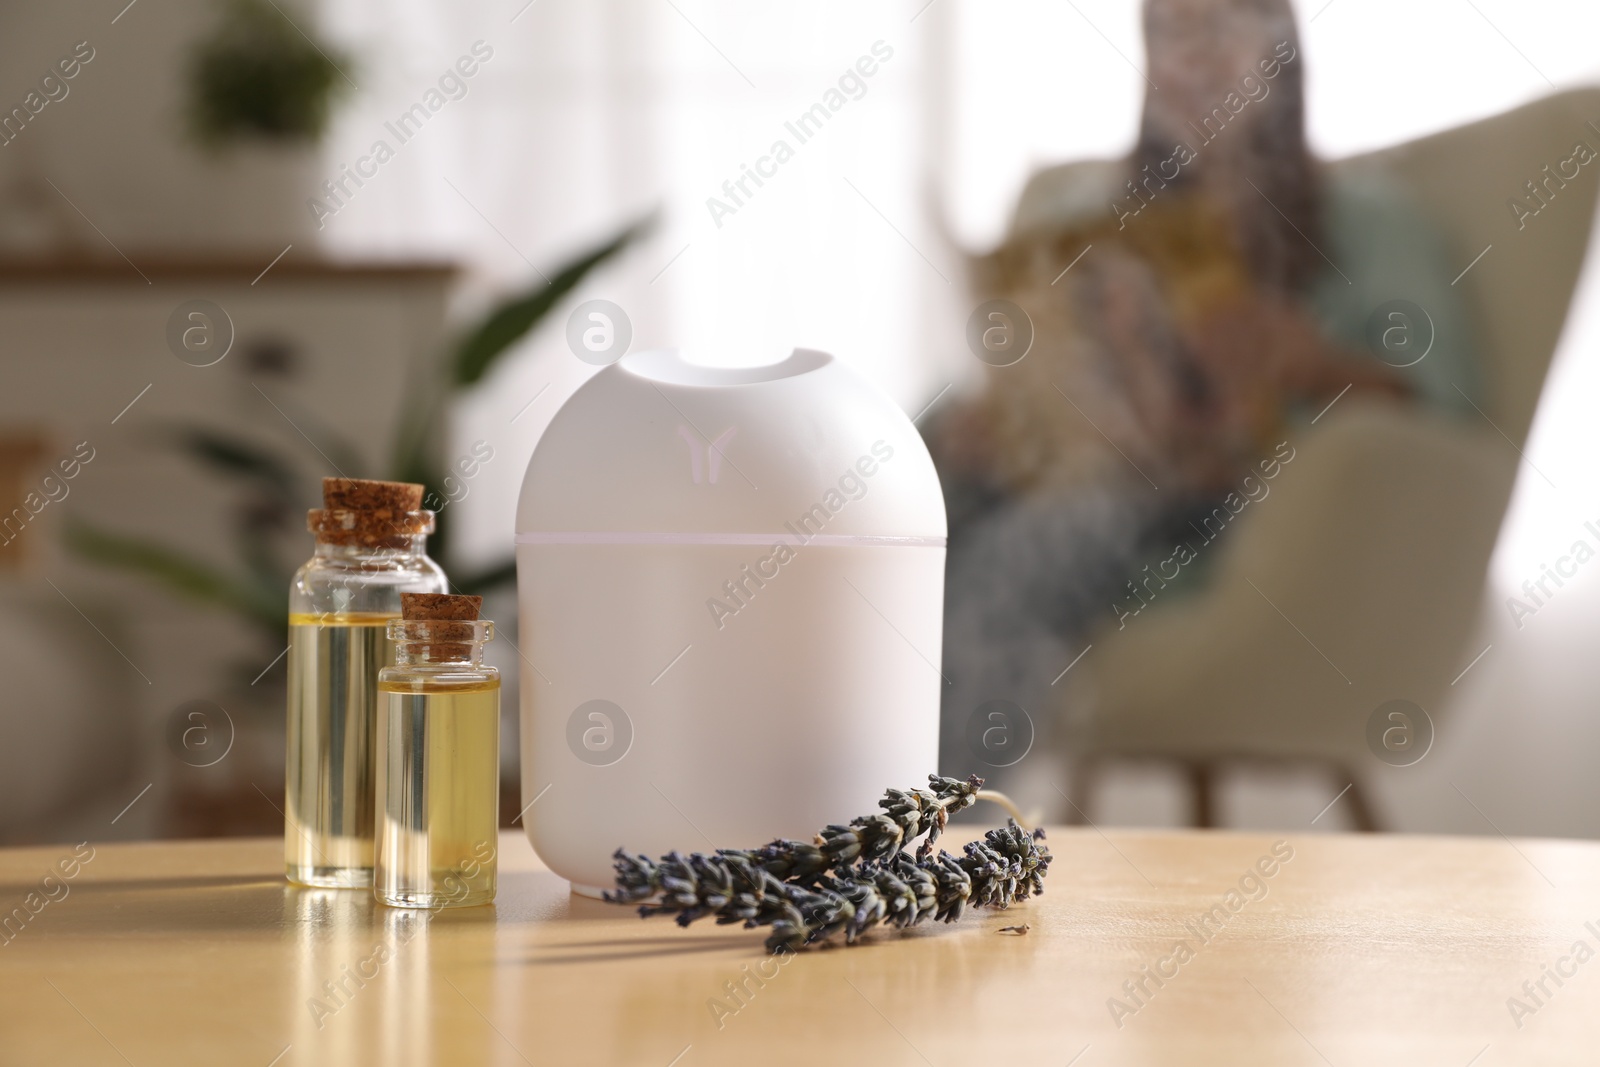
point(488, 579)
point(235, 455)
point(183, 576)
point(512, 320)
point(325, 439)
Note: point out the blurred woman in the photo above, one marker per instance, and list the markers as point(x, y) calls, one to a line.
point(1190, 304)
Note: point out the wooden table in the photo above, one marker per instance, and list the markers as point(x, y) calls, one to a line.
point(1362, 951)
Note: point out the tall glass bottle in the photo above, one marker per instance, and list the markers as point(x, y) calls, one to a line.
point(371, 547)
point(438, 758)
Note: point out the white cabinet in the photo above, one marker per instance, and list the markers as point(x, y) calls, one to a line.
point(319, 351)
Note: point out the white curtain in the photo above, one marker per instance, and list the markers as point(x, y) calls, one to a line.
point(590, 113)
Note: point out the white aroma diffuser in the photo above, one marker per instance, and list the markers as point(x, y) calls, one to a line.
point(731, 588)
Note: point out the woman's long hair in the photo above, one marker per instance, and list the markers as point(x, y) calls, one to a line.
point(1260, 170)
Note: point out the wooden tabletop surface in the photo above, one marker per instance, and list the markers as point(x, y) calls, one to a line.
point(1355, 950)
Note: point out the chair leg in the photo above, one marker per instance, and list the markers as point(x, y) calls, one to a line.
point(1201, 783)
point(1079, 787)
point(1361, 810)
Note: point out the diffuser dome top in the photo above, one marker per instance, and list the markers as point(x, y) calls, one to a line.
point(801, 449)
point(668, 367)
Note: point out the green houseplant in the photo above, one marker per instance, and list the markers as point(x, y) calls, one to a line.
point(271, 489)
point(258, 75)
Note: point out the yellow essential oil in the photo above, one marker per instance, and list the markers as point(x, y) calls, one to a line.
point(438, 766)
point(371, 549)
point(329, 801)
point(440, 749)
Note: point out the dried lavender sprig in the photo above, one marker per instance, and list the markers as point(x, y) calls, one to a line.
point(1007, 865)
point(907, 814)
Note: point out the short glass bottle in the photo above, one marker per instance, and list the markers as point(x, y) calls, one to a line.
point(340, 605)
point(438, 785)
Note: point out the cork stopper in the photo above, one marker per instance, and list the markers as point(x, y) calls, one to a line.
point(362, 494)
point(447, 615)
point(416, 607)
point(369, 514)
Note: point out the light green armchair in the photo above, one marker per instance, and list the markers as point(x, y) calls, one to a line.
point(1359, 580)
